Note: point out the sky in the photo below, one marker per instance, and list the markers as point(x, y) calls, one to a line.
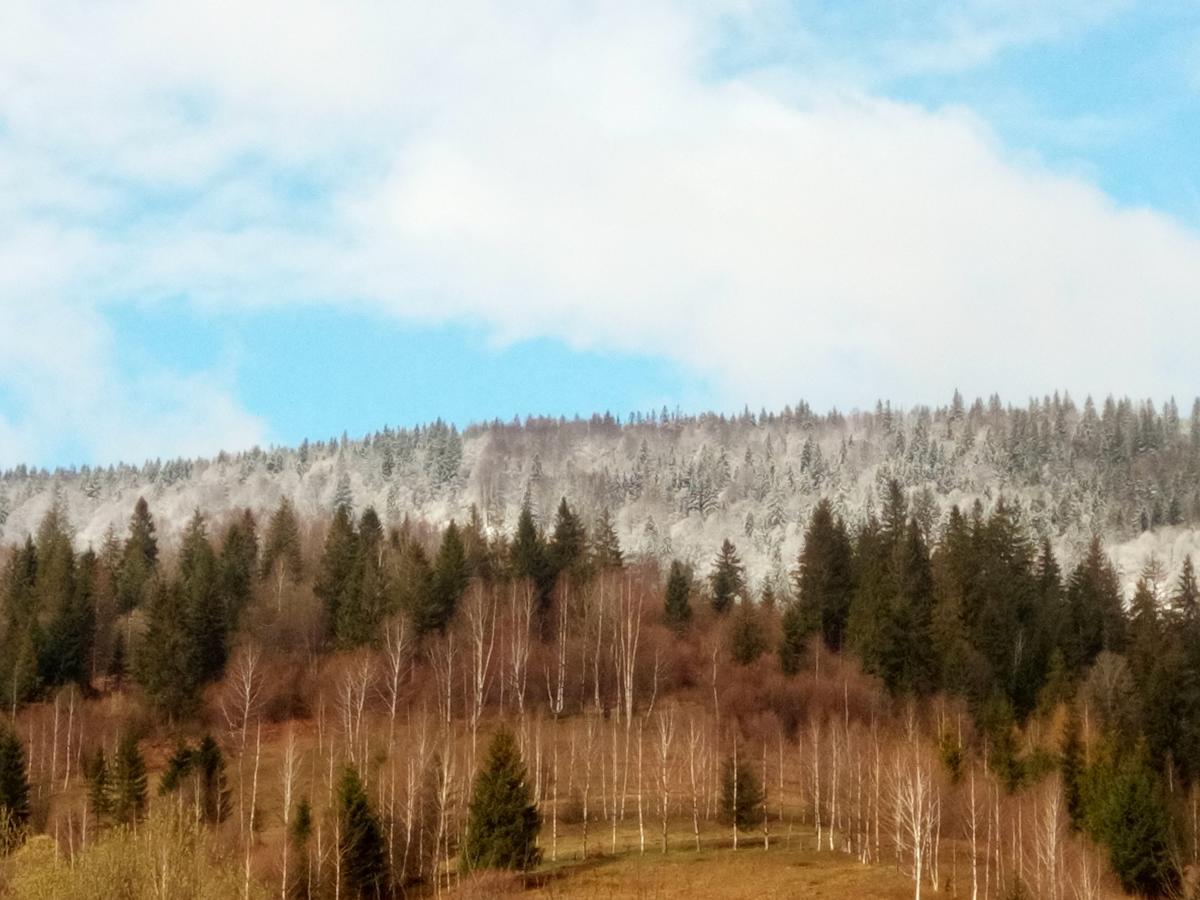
point(238, 223)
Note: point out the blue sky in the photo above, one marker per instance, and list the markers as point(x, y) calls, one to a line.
point(218, 230)
point(317, 372)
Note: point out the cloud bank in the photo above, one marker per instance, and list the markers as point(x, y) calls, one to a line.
point(723, 184)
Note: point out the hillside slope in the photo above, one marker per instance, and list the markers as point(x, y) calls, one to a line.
point(676, 485)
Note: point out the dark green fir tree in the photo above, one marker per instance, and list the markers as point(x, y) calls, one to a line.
point(728, 578)
point(677, 604)
point(503, 823)
point(361, 844)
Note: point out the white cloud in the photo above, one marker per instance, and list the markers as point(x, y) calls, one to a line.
point(582, 171)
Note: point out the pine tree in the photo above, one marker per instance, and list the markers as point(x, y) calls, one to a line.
point(127, 781)
point(677, 606)
point(741, 795)
point(14, 789)
point(605, 547)
point(139, 558)
point(361, 846)
point(728, 578)
point(824, 575)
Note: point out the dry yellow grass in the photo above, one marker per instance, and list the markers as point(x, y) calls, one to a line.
point(716, 872)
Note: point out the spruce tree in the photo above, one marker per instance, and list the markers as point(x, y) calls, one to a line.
point(481, 556)
point(568, 543)
point(299, 834)
point(238, 564)
point(1095, 615)
point(1145, 633)
point(365, 594)
point(21, 636)
point(741, 794)
point(206, 764)
point(728, 578)
point(894, 517)
point(605, 547)
point(139, 557)
point(339, 560)
point(55, 598)
point(450, 579)
point(66, 653)
point(1071, 768)
point(127, 782)
point(281, 546)
point(166, 664)
point(824, 574)
point(960, 668)
point(796, 627)
point(677, 606)
point(503, 823)
point(14, 788)
point(1130, 813)
point(529, 558)
point(527, 553)
point(99, 790)
point(206, 617)
point(747, 638)
point(361, 844)
point(869, 625)
point(908, 665)
point(414, 583)
point(1185, 600)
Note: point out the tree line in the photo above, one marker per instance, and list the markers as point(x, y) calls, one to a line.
point(978, 611)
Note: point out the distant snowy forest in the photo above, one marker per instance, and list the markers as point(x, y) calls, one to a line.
point(676, 484)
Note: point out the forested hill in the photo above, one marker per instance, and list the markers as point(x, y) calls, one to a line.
point(677, 484)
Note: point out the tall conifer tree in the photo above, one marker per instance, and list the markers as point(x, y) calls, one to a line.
point(503, 822)
point(728, 578)
point(360, 844)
